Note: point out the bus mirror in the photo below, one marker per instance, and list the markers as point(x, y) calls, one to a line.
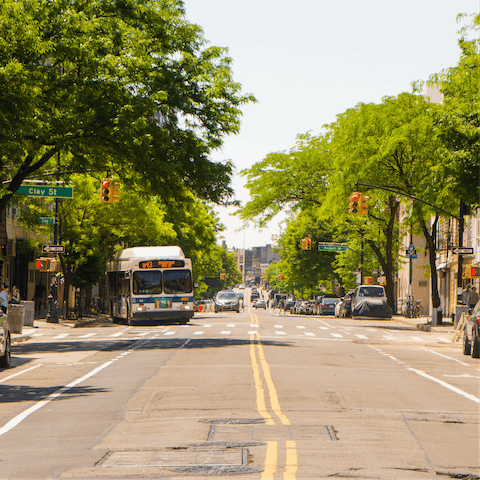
point(195, 284)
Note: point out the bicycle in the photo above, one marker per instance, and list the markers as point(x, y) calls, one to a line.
point(411, 308)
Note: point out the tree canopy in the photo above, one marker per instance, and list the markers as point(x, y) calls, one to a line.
point(125, 85)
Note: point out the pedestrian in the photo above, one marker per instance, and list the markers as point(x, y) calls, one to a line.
point(15, 295)
point(3, 298)
point(465, 295)
point(38, 297)
point(473, 298)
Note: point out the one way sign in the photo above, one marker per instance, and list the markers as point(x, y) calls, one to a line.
point(53, 249)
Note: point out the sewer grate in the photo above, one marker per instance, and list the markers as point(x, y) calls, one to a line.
point(217, 470)
point(264, 433)
point(177, 458)
point(234, 421)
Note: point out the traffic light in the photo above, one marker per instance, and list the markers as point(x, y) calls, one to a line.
point(306, 243)
point(475, 271)
point(363, 204)
point(114, 192)
point(105, 187)
point(46, 264)
point(467, 271)
point(354, 198)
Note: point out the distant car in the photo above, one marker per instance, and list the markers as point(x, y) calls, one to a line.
point(241, 286)
point(254, 296)
point(5, 341)
point(259, 304)
point(471, 334)
point(370, 301)
point(227, 300)
point(327, 306)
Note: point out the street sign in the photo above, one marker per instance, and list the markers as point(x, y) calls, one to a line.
point(332, 247)
point(462, 250)
point(53, 249)
point(45, 191)
point(46, 220)
point(411, 248)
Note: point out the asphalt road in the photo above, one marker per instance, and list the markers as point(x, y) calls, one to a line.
point(256, 395)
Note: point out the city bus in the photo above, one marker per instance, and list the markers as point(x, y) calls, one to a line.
point(153, 284)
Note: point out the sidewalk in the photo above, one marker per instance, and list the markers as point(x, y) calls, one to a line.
point(41, 322)
point(424, 323)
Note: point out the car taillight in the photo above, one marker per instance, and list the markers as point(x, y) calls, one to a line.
point(478, 318)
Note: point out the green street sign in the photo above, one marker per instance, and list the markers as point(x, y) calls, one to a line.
point(332, 247)
point(46, 220)
point(46, 191)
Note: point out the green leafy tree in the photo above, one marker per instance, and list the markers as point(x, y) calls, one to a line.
point(459, 119)
point(126, 85)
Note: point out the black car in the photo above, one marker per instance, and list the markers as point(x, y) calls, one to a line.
point(5, 341)
point(471, 334)
point(327, 306)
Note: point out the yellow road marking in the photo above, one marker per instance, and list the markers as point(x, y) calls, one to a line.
point(261, 405)
point(271, 386)
point(270, 461)
point(291, 463)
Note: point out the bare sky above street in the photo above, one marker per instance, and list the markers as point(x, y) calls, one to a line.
point(310, 60)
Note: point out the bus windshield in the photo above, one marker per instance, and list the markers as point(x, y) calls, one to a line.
point(147, 283)
point(177, 281)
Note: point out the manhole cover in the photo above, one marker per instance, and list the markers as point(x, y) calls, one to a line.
point(176, 458)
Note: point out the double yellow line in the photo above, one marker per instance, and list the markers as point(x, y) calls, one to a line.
point(271, 458)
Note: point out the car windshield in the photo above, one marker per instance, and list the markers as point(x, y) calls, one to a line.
point(227, 296)
point(331, 301)
point(371, 292)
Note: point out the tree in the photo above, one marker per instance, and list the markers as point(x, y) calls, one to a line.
point(459, 121)
point(124, 85)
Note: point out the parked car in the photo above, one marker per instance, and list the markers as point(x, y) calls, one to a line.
point(260, 304)
point(227, 300)
point(345, 306)
point(241, 286)
point(471, 334)
point(370, 301)
point(5, 341)
point(327, 306)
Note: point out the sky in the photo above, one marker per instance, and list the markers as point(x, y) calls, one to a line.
point(309, 60)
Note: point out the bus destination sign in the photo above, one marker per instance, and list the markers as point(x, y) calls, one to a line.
point(161, 264)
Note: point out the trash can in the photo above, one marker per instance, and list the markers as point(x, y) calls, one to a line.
point(437, 316)
point(29, 313)
point(15, 317)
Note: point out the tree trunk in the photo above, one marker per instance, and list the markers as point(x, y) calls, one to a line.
point(432, 254)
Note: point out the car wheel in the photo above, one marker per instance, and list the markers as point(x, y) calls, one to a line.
point(467, 346)
point(5, 358)
point(475, 347)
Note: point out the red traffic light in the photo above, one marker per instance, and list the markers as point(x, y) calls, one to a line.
point(39, 264)
point(475, 271)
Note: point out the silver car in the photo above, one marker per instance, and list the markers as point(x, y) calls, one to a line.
point(5, 341)
point(227, 300)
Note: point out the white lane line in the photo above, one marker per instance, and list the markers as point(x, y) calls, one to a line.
point(254, 326)
point(278, 326)
point(299, 326)
point(63, 335)
point(20, 373)
point(170, 333)
point(443, 340)
point(88, 335)
point(230, 326)
point(445, 384)
point(336, 335)
point(252, 332)
point(225, 332)
point(205, 326)
point(118, 334)
point(416, 339)
point(198, 333)
point(309, 334)
point(444, 356)
point(142, 334)
point(22, 416)
point(280, 333)
point(37, 335)
point(363, 337)
point(323, 328)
